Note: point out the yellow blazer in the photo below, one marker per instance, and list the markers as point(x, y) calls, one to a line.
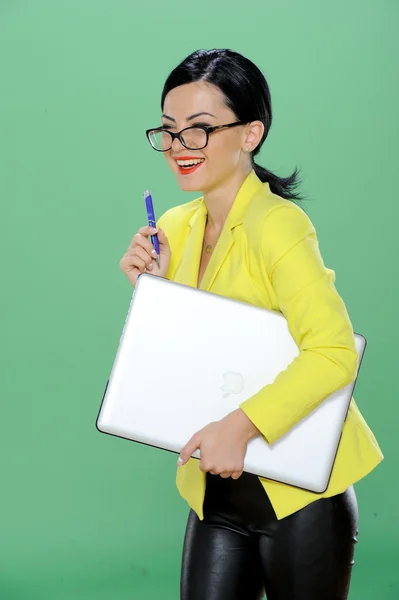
point(268, 255)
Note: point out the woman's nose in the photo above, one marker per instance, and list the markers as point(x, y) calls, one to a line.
point(177, 145)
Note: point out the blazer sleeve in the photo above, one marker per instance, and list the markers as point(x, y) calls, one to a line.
point(317, 320)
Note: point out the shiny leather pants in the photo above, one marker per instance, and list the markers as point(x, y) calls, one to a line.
point(240, 551)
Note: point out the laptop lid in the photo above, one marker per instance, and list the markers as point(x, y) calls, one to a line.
point(216, 353)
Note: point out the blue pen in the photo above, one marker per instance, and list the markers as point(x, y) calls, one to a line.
point(152, 223)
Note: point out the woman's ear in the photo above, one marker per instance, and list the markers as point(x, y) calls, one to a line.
point(253, 135)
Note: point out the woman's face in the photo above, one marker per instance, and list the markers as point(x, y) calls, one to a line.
point(224, 153)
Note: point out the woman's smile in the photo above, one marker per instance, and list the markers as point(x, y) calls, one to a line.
point(187, 165)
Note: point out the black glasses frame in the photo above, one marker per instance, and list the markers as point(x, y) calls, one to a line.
point(207, 128)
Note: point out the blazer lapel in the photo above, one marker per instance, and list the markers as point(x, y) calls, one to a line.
point(188, 270)
point(250, 186)
point(220, 253)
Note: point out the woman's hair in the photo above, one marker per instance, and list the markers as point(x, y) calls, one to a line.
point(246, 93)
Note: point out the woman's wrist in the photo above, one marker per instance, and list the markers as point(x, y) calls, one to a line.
point(248, 429)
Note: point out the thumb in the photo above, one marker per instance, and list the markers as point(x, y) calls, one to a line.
point(163, 241)
point(191, 446)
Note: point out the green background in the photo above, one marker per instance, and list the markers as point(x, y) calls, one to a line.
point(84, 515)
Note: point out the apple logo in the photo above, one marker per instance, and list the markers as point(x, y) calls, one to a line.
point(233, 383)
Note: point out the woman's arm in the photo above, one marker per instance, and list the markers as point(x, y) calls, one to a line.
point(317, 319)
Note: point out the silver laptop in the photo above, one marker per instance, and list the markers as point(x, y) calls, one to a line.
point(188, 357)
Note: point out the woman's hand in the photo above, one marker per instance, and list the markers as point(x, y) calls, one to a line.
point(222, 444)
point(140, 255)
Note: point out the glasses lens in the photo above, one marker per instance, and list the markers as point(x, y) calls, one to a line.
point(161, 140)
point(194, 138)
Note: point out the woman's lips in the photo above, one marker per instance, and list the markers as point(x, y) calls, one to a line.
point(185, 171)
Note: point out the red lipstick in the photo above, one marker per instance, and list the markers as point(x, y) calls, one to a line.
point(185, 170)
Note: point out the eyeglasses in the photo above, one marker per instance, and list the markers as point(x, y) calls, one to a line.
point(192, 138)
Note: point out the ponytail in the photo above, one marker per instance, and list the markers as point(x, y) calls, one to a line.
point(282, 186)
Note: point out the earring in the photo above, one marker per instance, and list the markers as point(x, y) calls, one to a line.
point(247, 149)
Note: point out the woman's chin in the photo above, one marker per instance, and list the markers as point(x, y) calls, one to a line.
point(188, 184)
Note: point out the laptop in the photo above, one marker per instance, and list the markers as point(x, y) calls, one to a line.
point(187, 357)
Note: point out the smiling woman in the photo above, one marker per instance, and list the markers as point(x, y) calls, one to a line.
point(194, 137)
point(245, 237)
point(222, 95)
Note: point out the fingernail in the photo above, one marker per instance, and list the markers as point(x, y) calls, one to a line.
point(153, 230)
point(179, 461)
point(149, 267)
point(154, 254)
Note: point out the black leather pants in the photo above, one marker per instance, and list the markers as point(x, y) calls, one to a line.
point(240, 551)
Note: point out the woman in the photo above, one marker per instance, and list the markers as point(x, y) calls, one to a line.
point(246, 238)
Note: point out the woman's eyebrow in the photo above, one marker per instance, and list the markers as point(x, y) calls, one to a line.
point(189, 118)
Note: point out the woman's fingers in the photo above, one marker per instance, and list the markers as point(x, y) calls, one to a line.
point(192, 445)
point(236, 474)
point(164, 248)
point(141, 254)
point(226, 475)
point(131, 261)
point(147, 230)
point(140, 239)
point(139, 257)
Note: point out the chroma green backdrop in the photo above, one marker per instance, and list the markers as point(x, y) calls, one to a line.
point(83, 515)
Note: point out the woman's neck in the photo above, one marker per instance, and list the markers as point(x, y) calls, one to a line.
point(220, 199)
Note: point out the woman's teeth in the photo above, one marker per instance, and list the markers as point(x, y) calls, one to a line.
point(189, 163)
